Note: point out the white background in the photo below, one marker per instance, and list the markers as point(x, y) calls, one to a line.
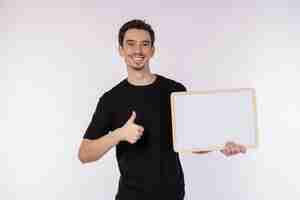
point(57, 57)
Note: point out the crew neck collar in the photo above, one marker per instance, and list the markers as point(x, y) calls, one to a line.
point(144, 86)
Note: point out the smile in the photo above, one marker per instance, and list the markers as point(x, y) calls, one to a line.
point(138, 58)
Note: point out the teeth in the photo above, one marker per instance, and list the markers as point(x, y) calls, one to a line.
point(138, 58)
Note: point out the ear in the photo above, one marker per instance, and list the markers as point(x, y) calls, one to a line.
point(121, 51)
point(153, 51)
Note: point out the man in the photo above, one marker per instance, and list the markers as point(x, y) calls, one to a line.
point(135, 116)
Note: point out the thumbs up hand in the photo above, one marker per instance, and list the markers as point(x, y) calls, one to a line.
point(130, 131)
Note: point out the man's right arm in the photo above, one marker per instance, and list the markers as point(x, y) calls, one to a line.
point(92, 150)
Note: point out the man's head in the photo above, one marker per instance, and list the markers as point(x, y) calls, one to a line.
point(136, 24)
point(136, 44)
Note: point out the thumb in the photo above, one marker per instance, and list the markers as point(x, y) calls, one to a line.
point(132, 117)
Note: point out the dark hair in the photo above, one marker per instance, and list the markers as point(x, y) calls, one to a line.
point(136, 24)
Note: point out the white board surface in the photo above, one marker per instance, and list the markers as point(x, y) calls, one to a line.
point(207, 120)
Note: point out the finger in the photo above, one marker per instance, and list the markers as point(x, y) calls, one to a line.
point(229, 144)
point(140, 129)
point(132, 117)
point(137, 137)
point(236, 150)
point(132, 141)
point(225, 151)
point(242, 149)
point(230, 150)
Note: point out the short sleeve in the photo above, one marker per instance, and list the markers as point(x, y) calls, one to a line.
point(100, 124)
point(181, 88)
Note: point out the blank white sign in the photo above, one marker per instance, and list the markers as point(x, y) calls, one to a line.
point(207, 120)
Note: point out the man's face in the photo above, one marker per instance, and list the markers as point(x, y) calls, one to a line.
point(137, 49)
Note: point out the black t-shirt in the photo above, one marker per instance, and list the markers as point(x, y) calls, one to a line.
point(149, 169)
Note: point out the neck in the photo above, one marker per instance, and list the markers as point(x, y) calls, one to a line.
point(140, 77)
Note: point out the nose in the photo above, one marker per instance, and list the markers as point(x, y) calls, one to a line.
point(138, 49)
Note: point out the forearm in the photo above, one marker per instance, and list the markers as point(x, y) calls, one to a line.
point(92, 150)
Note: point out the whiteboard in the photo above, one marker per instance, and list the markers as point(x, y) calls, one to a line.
point(205, 121)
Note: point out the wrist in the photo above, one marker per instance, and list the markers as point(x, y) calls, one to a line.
point(117, 134)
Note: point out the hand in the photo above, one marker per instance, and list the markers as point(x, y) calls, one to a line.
point(232, 148)
point(130, 131)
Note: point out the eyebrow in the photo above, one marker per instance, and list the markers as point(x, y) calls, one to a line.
point(144, 41)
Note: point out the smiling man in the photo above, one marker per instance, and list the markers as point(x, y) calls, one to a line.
point(135, 116)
